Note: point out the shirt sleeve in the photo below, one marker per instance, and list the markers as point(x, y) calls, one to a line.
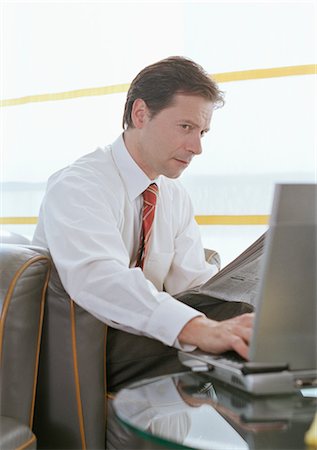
point(83, 236)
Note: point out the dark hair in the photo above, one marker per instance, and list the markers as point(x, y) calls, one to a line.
point(158, 83)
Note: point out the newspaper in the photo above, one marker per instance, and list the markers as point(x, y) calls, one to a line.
point(239, 280)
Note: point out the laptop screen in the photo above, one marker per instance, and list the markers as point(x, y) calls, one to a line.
point(286, 319)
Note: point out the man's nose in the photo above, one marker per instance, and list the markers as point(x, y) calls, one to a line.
point(194, 144)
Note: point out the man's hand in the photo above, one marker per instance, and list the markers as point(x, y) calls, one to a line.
point(217, 337)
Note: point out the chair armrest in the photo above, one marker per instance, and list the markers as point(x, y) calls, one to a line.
point(24, 277)
point(15, 435)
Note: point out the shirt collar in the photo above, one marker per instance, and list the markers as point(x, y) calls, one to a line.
point(135, 180)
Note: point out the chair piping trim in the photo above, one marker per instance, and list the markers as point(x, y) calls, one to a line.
point(26, 444)
point(40, 328)
point(105, 378)
point(4, 313)
point(105, 358)
point(76, 376)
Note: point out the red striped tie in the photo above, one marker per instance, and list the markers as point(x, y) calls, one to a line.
point(149, 203)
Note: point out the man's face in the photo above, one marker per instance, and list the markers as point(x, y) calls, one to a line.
point(169, 140)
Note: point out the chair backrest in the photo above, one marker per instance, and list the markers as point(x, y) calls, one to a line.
point(70, 408)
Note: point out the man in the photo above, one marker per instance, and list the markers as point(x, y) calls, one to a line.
point(91, 220)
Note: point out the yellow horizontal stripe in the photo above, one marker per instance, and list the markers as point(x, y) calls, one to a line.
point(105, 90)
point(18, 220)
point(308, 69)
point(201, 220)
point(241, 75)
point(232, 220)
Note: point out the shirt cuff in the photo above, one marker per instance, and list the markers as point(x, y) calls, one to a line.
point(168, 319)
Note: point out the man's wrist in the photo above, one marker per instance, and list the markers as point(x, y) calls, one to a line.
point(192, 329)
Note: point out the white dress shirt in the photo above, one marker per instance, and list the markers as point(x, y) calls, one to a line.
point(90, 220)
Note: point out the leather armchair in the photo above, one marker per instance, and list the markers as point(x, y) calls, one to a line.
point(70, 407)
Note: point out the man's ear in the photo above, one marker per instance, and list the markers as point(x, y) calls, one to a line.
point(139, 113)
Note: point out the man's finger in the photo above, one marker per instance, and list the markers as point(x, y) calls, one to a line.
point(240, 346)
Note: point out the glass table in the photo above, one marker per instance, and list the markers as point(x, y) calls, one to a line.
point(193, 411)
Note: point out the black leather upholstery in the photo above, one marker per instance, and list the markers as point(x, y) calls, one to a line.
point(23, 279)
point(71, 401)
point(70, 407)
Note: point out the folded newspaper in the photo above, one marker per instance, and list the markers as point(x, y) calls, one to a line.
point(239, 280)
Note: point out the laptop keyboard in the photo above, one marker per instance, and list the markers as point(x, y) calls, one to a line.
point(232, 359)
point(236, 361)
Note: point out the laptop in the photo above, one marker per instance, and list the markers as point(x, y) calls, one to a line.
point(283, 347)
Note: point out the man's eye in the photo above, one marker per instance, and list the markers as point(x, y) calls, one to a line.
point(185, 126)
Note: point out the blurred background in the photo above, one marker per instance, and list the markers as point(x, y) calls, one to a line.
point(66, 67)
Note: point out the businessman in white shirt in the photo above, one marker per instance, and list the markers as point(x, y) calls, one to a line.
point(91, 220)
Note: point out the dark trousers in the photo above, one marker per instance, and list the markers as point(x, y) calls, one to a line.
point(131, 358)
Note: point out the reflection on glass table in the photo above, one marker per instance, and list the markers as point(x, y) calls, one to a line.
point(193, 411)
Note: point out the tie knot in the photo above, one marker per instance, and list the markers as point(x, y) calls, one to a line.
point(150, 194)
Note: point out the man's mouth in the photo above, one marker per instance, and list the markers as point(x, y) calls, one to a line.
point(183, 161)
